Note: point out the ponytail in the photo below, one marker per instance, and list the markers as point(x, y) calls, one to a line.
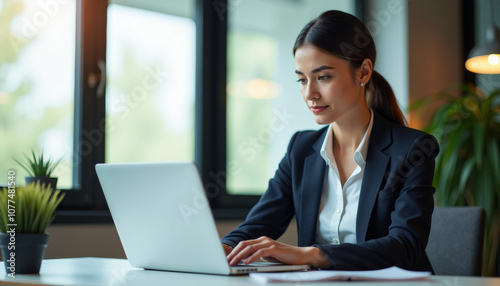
point(381, 99)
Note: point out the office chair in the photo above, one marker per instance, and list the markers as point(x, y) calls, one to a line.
point(455, 244)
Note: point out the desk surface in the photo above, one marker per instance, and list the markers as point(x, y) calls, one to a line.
point(111, 272)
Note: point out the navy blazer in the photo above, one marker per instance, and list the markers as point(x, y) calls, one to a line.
point(395, 203)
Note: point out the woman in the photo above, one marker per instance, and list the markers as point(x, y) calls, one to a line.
point(360, 188)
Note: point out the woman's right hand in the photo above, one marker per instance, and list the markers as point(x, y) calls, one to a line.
point(227, 249)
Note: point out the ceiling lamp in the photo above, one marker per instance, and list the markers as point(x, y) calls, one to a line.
point(485, 58)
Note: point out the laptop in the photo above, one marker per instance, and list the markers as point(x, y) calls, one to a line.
point(165, 222)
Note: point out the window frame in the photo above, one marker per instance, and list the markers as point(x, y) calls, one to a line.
point(85, 201)
point(211, 74)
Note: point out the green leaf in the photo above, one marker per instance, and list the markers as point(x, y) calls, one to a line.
point(466, 172)
point(494, 158)
point(484, 192)
point(35, 207)
point(436, 124)
point(37, 165)
point(455, 141)
point(450, 160)
point(493, 155)
point(52, 167)
point(24, 166)
point(3, 210)
point(478, 139)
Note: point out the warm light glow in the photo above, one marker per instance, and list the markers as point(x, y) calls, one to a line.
point(486, 64)
point(260, 88)
point(256, 88)
point(493, 59)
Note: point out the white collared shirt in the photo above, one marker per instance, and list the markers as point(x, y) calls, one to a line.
point(339, 205)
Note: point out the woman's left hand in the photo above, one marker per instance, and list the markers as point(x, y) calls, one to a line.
point(272, 251)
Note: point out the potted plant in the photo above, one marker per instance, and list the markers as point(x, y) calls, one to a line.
point(39, 169)
point(25, 213)
point(467, 172)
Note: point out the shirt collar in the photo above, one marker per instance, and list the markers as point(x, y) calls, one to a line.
point(359, 156)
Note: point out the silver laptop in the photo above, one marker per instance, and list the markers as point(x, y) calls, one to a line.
point(164, 221)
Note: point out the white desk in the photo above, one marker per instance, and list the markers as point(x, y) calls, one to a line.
point(107, 271)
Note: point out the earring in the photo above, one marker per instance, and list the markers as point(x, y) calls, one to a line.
point(361, 84)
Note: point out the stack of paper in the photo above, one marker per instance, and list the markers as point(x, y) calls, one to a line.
point(388, 274)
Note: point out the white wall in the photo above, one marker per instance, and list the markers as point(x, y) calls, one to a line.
point(388, 23)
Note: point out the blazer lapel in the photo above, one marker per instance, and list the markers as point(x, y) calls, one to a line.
point(312, 187)
point(376, 165)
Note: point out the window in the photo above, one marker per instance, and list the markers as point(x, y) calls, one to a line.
point(37, 84)
point(52, 63)
point(264, 104)
point(150, 84)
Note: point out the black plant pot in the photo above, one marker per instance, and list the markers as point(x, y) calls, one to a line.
point(23, 252)
point(52, 182)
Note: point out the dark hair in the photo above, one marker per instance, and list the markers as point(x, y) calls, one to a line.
point(346, 37)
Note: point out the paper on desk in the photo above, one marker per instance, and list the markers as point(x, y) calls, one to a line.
point(388, 274)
